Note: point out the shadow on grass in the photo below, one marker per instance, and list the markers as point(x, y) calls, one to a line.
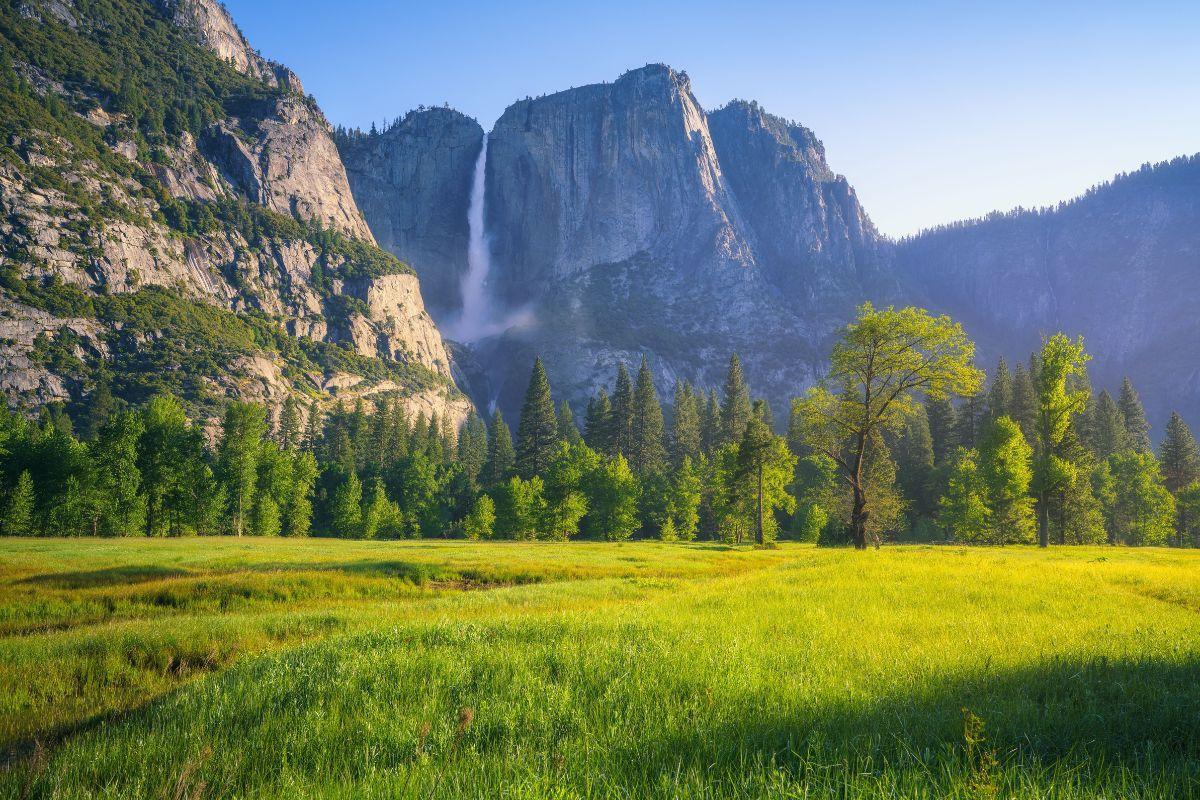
point(1064, 718)
point(109, 576)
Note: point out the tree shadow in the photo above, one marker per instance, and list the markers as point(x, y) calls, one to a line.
point(109, 576)
point(1140, 717)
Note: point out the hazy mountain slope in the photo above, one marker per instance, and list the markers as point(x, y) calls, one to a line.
point(1120, 265)
point(175, 213)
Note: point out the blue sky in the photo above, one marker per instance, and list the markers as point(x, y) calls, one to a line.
point(935, 111)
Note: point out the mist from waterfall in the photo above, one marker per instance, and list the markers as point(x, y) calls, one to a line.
point(479, 318)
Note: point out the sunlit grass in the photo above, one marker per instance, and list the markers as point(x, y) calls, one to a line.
point(597, 670)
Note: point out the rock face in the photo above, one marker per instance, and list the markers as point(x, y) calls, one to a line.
point(1120, 265)
point(617, 228)
point(413, 184)
point(254, 218)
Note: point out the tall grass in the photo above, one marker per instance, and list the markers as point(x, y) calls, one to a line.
point(640, 670)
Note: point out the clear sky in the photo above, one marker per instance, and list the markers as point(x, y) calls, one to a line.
point(935, 111)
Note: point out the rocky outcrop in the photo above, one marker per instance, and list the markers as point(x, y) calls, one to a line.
point(76, 225)
point(412, 182)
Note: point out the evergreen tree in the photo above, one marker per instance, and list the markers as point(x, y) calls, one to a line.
point(999, 401)
point(1136, 426)
point(711, 434)
point(685, 425)
point(347, 508)
point(943, 428)
point(501, 456)
point(312, 428)
point(735, 405)
point(914, 463)
point(970, 421)
point(1187, 516)
point(1107, 427)
point(599, 424)
point(18, 514)
point(1179, 456)
point(621, 427)
point(537, 434)
point(1023, 408)
point(101, 406)
point(647, 452)
point(473, 447)
point(568, 431)
point(765, 468)
point(289, 424)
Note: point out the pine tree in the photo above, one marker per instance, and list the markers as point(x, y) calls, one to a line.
point(1136, 426)
point(1107, 427)
point(101, 405)
point(18, 515)
point(312, 428)
point(711, 435)
point(621, 427)
point(914, 465)
point(647, 452)
point(1023, 408)
point(685, 425)
point(943, 428)
point(762, 412)
point(999, 402)
point(537, 434)
point(598, 426)
point(765, 467)
point(1179, 456)
point(472, 447)
point(568, 431)
point(501, 456)
point(970, 421)
point(735, 405)
point(289, 424)
point(346, 511)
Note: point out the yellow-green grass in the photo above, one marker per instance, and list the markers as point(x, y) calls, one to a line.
point(249, 668)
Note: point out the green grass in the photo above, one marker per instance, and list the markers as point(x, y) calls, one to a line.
point(220, 668)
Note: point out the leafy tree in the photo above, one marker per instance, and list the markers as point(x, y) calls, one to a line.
point(683, 503)
point(647, 452)
point(501, 457)
point(1136, 426)
point(347, 508)
point(964, 510)
point(118, 480)
point(735, 404)
point(171, 461)
point(882, 360)
point(612, 499)
point(265, 519)
point(1006, 472)
point(564, 490)
point(242, 434)
point(1060, 359)
point(18, 514)
point(685, 424)
point(1143, 511)
point(537, 434)
point(381, 517)
point(480, 522)
point(298, 513)
point(816, 491)
point(520, 507)
point(1179, 456)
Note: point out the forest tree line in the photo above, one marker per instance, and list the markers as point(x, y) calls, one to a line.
point(904, 440)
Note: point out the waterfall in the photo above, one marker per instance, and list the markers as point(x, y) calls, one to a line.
point(479, 317)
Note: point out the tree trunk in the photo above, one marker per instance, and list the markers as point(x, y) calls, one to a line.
point(761, 538)
point(858, 520)
point(1043, 521)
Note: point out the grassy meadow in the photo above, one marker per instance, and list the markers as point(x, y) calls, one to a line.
point(198, 668)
